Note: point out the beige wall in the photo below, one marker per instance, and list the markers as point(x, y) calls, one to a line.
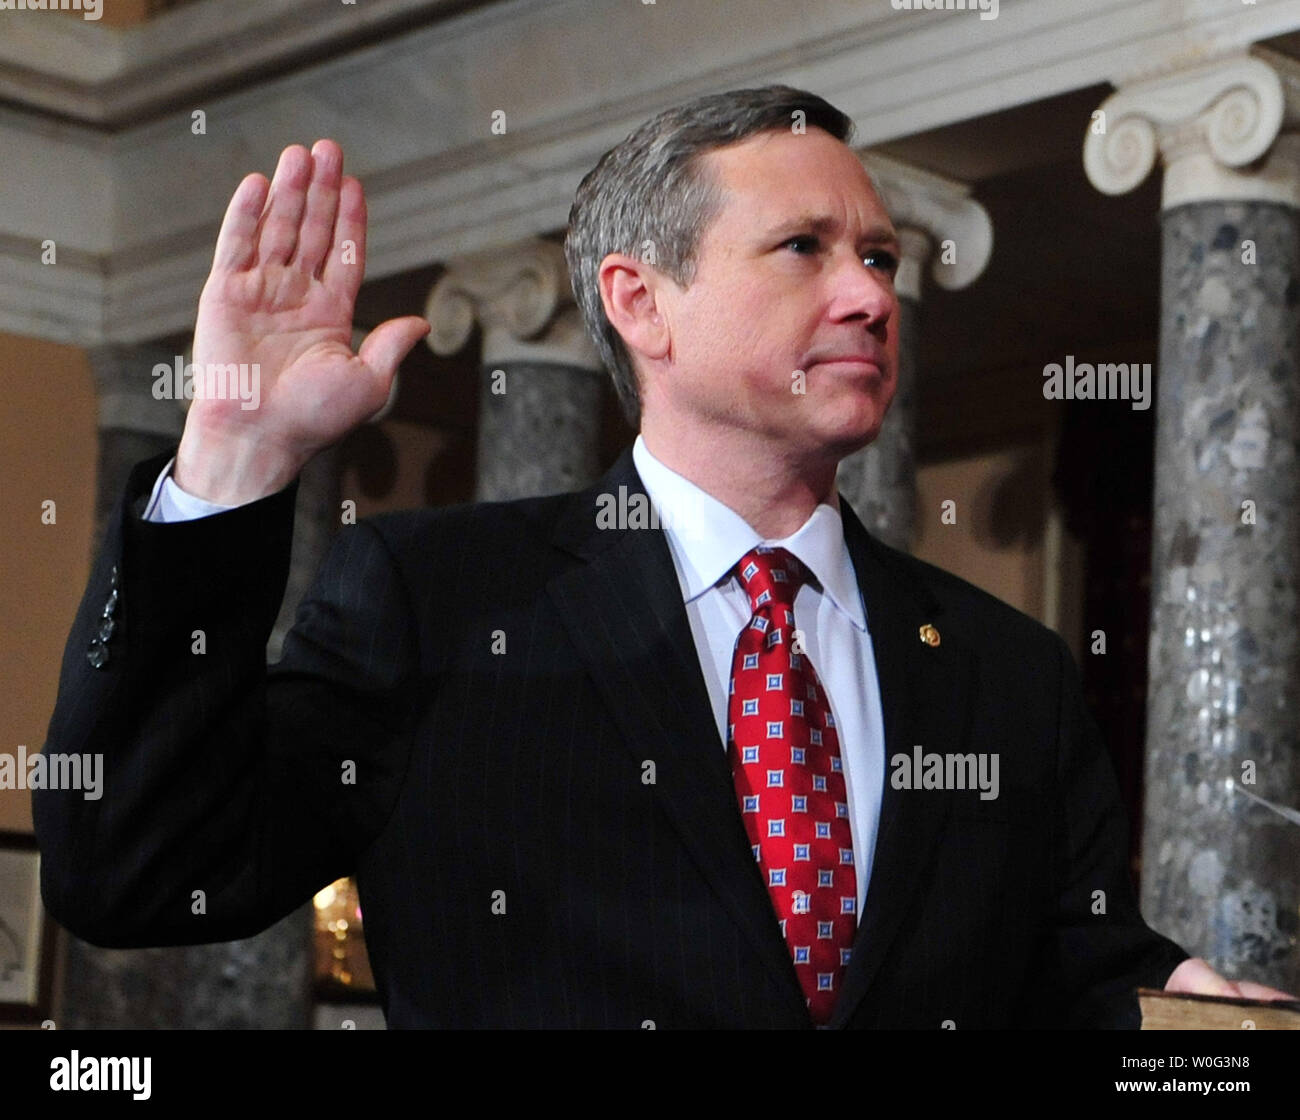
point(1009, 538)
point(47, 452)
point(997, 540)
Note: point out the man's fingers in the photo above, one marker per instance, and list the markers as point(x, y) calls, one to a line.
point(345, 265)
point(279, 228)
point(1196, 976)
point(1251, 990)
point(384, 348)
point(236, 242)
point(317, 230)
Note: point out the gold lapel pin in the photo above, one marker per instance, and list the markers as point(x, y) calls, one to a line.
point(929, 635)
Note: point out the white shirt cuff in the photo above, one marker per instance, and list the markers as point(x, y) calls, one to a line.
point(168, 502)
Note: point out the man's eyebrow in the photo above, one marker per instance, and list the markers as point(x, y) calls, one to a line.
point(823, 224)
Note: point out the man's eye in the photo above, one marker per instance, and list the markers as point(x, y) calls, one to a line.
point(883, 260)
point(808, 241)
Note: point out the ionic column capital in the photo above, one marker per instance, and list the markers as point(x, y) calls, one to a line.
point(927, 209)
point(1205, 122)
point(521, 296)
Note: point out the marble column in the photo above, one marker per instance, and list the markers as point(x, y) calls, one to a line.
point(1221, 873)
point(541, 381)
point(928, 211)
point(261, 982)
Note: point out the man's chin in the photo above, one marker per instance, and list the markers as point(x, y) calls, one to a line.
point(853, 435)
point(844, 446)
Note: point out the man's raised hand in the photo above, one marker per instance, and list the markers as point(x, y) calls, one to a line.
point(288, 264)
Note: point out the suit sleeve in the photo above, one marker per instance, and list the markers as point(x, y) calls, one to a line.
point(230, 792)
point(1102, 950)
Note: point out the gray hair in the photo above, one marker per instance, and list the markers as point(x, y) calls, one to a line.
point(650, 198)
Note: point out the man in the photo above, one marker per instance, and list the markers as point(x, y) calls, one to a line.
point(590, 773)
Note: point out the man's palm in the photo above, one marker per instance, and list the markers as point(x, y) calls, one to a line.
point(288, 264)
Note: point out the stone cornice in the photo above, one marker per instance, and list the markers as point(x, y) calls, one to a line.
point(112, 77)
point(413, 115)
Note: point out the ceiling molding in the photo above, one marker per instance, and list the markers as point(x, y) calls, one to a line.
point(114, 77)
point(413, 114)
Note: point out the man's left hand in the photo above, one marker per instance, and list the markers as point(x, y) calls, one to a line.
point(1196, 977)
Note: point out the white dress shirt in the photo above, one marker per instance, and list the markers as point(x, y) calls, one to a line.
point(706, 538)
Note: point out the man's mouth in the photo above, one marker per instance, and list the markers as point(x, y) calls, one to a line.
point(867, 360)
point(851, 365)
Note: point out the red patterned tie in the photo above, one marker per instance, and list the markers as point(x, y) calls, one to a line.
point(785, 759)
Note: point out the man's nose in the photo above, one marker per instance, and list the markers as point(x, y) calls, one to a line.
point(863, 291)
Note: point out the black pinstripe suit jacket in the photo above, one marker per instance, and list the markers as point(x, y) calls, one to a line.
point(496, 676)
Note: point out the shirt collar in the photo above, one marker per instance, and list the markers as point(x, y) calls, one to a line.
point(708, 537)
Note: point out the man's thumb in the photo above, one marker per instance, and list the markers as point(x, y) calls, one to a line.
point(384, 348)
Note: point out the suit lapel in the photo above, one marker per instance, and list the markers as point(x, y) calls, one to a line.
point(623, 611)
point(925, 694)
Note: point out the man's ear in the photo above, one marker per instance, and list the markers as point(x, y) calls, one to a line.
point(629, 291)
